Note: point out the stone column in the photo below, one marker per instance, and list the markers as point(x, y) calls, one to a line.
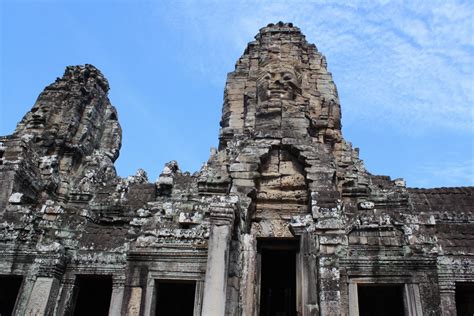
point(46, 273)
point(43, 296)
point(332, 245)
point(353, 300)
point(24, 294)
point(215, 286)
point(447, 293)
point(306, 278)
point(134, 304)
point(136, 290)
point(309, 288)
point(118, 286)
point(329, 281)
point(413, 300)
point(248, 281)
point(67, 301)
point(198, 298)
point(150, 297)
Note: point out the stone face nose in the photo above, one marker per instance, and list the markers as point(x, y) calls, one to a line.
point(276, 77)
point(278, 81)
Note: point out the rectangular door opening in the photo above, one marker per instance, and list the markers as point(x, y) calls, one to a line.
point(380, 299)
point(278, 277)
point(9, 289)
point(93, 295)
point(175, 297)
point(464, 298)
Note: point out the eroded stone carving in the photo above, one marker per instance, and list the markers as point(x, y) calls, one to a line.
point(282, 172)
point(278, 81)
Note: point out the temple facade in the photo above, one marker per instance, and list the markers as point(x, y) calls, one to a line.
point(283, 219)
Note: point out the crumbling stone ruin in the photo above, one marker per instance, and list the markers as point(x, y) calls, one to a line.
point(283, 219)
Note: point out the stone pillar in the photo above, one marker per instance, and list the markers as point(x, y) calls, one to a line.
point(447, 293)
point(198, 298)
point(134, 303)
point(248, 281)
point(413, 300)
point(329, 280)
point(307, 277)
point(118, 286)
point(24, 294)
point(43, 296)
point(67, 301)
point(135, 296)
point(306, 272)
point(215, 286)
point(135, 290)
point(332, 246)
point(150, 296)
point(353, 300)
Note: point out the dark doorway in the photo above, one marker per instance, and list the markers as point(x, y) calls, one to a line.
point(465, 299)
point(278, 278)
point(175, 298)
point(93, 295)
point(9, 289)
point(380, 299)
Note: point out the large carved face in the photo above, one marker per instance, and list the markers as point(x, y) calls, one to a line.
point(278, 82)
point(38, 116)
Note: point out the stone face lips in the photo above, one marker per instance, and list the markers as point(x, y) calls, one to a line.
point(282, 175)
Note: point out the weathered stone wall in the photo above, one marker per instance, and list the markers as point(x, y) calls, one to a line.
point(283, 172)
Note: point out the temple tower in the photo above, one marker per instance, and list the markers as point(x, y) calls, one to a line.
point(301, 187)
point(283, 219)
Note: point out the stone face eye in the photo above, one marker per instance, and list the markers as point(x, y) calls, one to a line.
point(287, 77)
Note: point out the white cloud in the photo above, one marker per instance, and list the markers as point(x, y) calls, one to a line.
point(443, 174)
point(409, 62)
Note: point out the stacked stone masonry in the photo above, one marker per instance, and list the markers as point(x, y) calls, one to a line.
point(282, 184)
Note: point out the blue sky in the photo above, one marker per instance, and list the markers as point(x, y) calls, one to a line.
point(404, 72)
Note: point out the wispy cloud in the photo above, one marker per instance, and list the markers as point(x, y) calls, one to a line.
point(404, 71)
point(443, 174)
point(407, 64)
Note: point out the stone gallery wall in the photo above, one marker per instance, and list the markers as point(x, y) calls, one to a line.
point(283, 219)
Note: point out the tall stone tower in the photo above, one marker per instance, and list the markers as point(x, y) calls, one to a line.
point(299, 183)
point(283, 219)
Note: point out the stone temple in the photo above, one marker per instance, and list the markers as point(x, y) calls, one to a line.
point(282, 220)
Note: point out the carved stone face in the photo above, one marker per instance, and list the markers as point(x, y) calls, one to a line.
point(278, 82)
point(38, 116)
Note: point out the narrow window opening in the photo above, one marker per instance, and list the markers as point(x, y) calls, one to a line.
point(278, 278)
point(175, 297)
point(9, 289)
point(380, 299)
point(93, 295)
point(464, 299)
